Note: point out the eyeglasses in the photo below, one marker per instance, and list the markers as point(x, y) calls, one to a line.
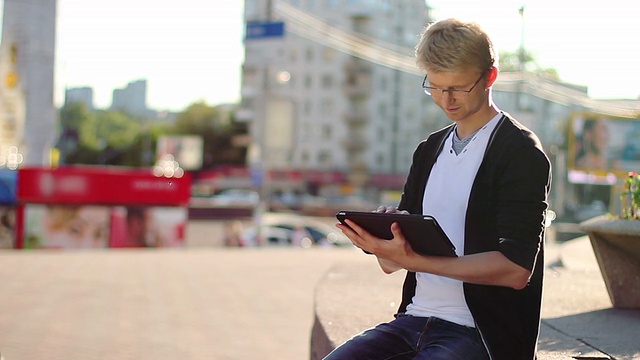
point(433, 91)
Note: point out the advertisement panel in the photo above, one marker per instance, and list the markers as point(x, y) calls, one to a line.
point(93, 208)
point(7, 226)
point(148, 226)
point(101, 186)
point(66, 226)
point(603, 145)
point(8, 200)
point(97, 227)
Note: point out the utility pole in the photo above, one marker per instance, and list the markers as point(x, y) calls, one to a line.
point(521, 52)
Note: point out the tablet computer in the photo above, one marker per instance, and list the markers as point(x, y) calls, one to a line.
point(421, 231)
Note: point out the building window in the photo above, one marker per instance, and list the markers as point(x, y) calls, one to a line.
point(309, 54)
point(326, 107)
point(307, 107)
point(324, 158)
point(333, 3)
point(383, 83)
point(327, 81)
point(382, 110)
point(308, 81)
point(328, 53)
point(326, 132)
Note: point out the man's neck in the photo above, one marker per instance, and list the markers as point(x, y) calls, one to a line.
point(471, 125)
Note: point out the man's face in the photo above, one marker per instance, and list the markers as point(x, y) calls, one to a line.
point(457, 102)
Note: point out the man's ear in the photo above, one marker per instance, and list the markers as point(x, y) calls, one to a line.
point(492, 75)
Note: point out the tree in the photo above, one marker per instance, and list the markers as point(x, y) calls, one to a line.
point(96, 137)
point(115, 138)
point(510, 62)
point(218, 131)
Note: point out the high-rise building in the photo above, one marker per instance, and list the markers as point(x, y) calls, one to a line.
point(27, 57)
point(323, 94)
point(132, 98)
point(82, 95)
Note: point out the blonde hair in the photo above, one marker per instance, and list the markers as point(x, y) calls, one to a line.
point(451, 44)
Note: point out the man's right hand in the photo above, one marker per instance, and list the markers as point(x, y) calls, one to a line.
point(390, 210)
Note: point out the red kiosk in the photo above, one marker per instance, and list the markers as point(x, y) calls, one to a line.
point(100, 207)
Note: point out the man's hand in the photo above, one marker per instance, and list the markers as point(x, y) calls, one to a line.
point(390, 210)
point(394, 250)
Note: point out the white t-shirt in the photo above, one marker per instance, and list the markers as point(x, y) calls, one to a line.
point(446, 197)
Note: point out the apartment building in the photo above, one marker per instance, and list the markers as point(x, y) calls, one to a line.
point(323, 96)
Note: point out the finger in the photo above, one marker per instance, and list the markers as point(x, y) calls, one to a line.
point(396, 231)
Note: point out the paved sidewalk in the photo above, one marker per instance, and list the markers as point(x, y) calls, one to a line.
point(215, 303)
point(155, 304)
point(578, 319)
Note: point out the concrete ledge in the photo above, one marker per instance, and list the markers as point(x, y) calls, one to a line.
point(353, 297)
point(349, 299)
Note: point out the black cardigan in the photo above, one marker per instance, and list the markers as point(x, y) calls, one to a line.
point(506, 213)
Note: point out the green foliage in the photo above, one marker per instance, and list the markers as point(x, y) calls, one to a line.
point(74, 115)
point(116, 138)
point(199, 118)
point(510, 62)
point(216, 127)
point(630, 197)
point(118, 130)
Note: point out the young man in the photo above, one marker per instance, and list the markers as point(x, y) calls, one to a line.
point(485, 178)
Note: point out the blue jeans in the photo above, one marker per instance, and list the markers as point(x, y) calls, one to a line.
point(411, 337)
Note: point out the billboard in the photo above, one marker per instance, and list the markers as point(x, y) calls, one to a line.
point(75, 226)
point(185, 149)
point(604, 145)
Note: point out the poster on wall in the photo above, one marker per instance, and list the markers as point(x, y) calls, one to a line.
point(603, 145)
point(148, 226)
point(66, 226)
point(7, 226)
point(97, 227)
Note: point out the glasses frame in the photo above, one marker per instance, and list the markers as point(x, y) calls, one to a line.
point(430, 90)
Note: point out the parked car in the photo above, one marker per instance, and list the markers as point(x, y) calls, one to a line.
point(281, 229)
point(236, 197)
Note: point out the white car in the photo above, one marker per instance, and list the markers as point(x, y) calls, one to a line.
point(236, 197)
point(280, 229)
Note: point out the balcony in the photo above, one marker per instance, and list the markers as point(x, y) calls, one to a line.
point(358, 86)
point(357, 66)
point(355, 144)
point(356, 118)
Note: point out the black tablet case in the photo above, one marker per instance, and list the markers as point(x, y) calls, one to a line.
point(421, 231)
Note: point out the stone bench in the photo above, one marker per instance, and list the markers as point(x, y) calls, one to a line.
point(352, 297)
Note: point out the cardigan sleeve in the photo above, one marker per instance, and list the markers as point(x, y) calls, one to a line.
point(522, 189)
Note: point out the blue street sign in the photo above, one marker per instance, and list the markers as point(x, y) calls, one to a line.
point(261, 30)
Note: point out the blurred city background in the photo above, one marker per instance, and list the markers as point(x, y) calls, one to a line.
point(137, 124)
